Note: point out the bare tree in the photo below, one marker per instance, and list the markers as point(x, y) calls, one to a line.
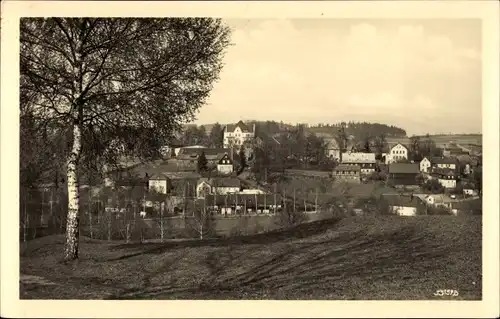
point(110, 83)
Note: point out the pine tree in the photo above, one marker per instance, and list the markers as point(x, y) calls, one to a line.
point(202, 163)
point(243, 159)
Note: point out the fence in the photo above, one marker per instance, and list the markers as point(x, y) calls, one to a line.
point(137, 214)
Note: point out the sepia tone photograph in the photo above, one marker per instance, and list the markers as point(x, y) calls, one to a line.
point(208, 158)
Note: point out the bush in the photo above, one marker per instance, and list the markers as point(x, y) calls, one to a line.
point(433, 186)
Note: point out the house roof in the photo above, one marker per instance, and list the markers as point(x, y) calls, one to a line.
point(438, 199)
point(224, 182)
point(344, 167)
point(224, 156)
point(358, 157)
point(444, 160)
point(394, 144)
point(404, 168)
point(159, 176)
point(198, 150)
point(444, 171)
point(244, 127)
point(402, 200)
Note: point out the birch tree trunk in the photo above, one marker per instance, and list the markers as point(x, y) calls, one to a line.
point(72, 223)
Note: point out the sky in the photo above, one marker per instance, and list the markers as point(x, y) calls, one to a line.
point(421, 75)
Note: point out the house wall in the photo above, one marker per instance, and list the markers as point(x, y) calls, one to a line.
point(158, 185)
point(425, 165)
point(470, 192)
point(225, 168)
point(404, 211)
point(203, 189)
point(448, 183)
point(226, 190)
point(452, 166)
point(398, 152)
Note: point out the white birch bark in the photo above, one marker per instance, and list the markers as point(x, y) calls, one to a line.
point(72, 223)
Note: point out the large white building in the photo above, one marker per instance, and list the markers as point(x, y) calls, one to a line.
point(238, 134)
point(397, 153)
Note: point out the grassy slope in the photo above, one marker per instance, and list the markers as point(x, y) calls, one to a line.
point(354, 258)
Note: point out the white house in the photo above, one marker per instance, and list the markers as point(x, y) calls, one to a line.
point(158, 183)
point(438, 200)
point(470, 190)
point(203, 188)
point(225, 165)
point(224, 186)
point(425, 165)
point(332, 148)
point(219, 186)
point(404, 205)
point(396, 153)
point(447, 177)
point(237, 134)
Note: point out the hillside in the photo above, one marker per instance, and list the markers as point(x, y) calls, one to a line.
point(353, 258)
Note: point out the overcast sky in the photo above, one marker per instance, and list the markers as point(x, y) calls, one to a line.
point(421, 75)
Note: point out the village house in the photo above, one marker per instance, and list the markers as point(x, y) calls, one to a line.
point(225, 166)
point(444, 162)
point(188, 157)
point(158, 183)
point(425, 165)
point(229, 204)
point(219, 186)
point(403, 174)
point(332, 148)
point(365, 161)
point(447, 177)
point(397, 153)
point(404, 205)
point(238, 134)
point(347, 173)
point(438, 200)
point(470, 190)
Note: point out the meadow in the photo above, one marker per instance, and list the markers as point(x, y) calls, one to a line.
point(356, 257)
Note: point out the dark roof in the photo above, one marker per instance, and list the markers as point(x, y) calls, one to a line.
point(444, 172)
point(343, 167)
point(404, 168)
point(444, 160)
point(225, 182)
point(226, 157)
point(197, 151)
point(241, 199)
point(244, 127)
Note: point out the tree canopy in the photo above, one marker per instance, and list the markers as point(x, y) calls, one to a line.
point(108, 88)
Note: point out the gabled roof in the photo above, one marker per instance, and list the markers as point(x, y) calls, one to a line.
point(438, 199)
point(396, 144)
point(224, 157)
point(222, 181)
point(244, 127)
point(208, 151)
point(444, 160)
point(404, 168)
point(358, 157)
